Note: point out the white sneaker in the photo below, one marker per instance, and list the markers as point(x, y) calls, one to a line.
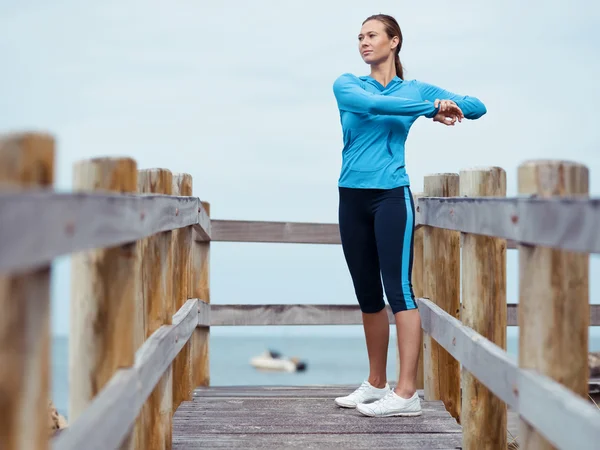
point(363, 394)
point(392, 405)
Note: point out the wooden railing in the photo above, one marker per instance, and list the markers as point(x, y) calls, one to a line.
point(139, 244)
point(549, 384)
point(140, 312)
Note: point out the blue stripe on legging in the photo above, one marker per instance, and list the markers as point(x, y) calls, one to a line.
point(406, 253)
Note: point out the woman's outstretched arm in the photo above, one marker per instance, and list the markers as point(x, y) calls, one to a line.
point(352, 97)
point(472, 107)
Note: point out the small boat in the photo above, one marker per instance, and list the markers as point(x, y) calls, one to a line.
point(273, 361)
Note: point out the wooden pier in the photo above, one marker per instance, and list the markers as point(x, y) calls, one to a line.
point(278, 417)
point(141, 313)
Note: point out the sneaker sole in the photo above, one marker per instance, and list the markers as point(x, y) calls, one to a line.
point(342, 405)
point(351, 406)
point(398, 414)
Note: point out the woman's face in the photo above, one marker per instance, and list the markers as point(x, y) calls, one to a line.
point(373, 42)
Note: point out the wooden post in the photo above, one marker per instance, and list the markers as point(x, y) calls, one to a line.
point(201, 290)
point(483, 415)
point(157, 292)
point(417, 284)
point(182, 238)
point(102, 294)
point(26, 161)
point(441, 282)
point(104, 284)
point(553, 294)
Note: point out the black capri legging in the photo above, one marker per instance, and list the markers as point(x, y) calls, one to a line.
point(376, 228)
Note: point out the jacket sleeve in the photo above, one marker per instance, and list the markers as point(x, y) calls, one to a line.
point(352, 97)
point(471, 107)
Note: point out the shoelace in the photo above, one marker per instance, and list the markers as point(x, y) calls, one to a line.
point(360, 389)
point(386, 398)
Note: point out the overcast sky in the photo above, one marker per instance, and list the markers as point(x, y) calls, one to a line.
point(239, 95)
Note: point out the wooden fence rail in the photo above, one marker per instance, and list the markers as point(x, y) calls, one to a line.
point(280, 314)
point(70, 222)
point(566, 224)
point(538, 399)
point(106, 422)
point(287, 232)
point(141, 313)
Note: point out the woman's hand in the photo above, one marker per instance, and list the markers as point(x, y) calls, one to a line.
point(446, 119)
point(448, 112)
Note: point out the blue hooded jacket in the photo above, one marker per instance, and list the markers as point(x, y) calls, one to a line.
point(375, 123)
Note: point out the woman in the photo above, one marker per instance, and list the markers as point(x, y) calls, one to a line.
point(376, 210)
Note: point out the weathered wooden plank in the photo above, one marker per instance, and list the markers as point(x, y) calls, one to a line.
point(300, 421)
point(111, 414)
point(567, 224)
point(157, 353)
point(204, 313)
point(314, 314)
point(317, 391)
point(36, 227)
point(204, 227)
point(279, 314)
point(286, 387)
point(235, 409)
point(543, 403)
point(105, 423)
point(357, 441)
point(283, 232)
point(485, 360)
point(262, 405)
point(489, 216)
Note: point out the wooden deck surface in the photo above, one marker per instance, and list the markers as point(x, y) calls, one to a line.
point(302, 417)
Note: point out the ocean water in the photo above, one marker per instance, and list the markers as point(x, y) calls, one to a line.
point(330, 360)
